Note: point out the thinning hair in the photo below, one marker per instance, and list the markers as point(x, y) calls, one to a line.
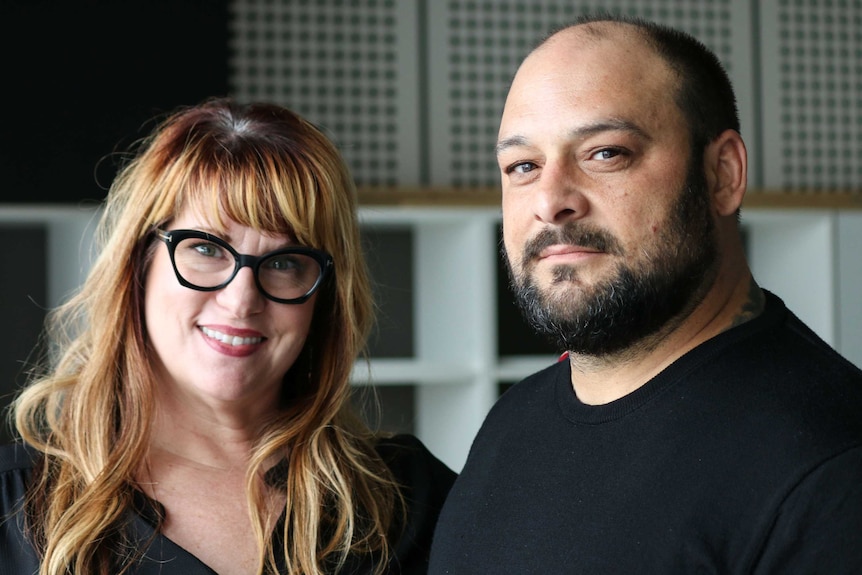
point(704, 93)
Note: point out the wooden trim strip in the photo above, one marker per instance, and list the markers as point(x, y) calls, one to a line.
point(487, 196)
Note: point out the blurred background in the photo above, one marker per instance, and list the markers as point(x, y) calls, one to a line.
point(411, 91)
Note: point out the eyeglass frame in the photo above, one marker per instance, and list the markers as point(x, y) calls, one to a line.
point(172, 238)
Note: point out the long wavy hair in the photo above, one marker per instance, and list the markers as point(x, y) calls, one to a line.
point(91, 410)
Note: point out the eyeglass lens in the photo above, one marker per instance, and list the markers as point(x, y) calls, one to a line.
point(283, 275)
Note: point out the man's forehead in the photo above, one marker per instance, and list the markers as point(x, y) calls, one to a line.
point(592, 33)
point(577, 57)
point(568, 91)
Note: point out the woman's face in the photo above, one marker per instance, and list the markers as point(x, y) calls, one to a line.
point(227, 349)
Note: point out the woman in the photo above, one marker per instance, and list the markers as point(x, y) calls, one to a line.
point(197, 416)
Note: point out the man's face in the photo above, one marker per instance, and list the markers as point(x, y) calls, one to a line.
point(636, 300)
point(607, 224)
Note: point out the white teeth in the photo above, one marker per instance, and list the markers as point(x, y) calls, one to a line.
point(230, 339)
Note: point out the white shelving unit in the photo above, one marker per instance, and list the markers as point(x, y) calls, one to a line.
point(811, 259)
point(456, 367)
point(808, 257)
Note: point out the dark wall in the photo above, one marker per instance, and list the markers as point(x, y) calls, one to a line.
point(21, 297)
point(82, 78)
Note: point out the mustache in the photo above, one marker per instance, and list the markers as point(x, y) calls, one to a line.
point(574, 234)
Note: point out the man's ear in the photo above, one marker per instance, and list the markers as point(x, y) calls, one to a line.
point(726, 163)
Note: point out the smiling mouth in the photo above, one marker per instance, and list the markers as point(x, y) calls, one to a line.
point(230, 339)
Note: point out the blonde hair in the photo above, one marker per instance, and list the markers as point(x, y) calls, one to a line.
point(264, 167)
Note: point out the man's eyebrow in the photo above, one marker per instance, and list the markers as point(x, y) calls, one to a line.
point(512, 142)
point(612, 125)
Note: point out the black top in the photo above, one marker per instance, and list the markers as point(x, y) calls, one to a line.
point(425, 478)
point(742, 457)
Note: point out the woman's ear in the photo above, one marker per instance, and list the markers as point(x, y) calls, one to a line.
point(726, 163)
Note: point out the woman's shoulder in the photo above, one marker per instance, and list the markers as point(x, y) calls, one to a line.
point(16, 466)
point(411, 461)
point(425, 481)
point(17, 458)
point(424, 478)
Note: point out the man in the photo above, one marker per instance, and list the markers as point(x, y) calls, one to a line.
point(697, 426)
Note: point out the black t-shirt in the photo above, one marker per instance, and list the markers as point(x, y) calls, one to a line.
point(426, 482)
point(742, 457)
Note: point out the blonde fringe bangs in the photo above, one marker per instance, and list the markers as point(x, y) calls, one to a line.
point(300, 195)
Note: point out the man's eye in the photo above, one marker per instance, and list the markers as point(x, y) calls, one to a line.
point(606, 154)
point(521, 168)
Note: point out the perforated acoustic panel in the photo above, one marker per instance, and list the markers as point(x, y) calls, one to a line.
point(349, 66)
point(412, 90)
point(812, 94)
point(476, 46)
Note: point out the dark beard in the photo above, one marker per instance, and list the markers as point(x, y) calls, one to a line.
point(635, 303)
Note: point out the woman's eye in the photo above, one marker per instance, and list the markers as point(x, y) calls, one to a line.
point(283, 263)
point(207, 249)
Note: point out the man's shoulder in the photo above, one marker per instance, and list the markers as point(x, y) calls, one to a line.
point(537, 383)
point(801, 361)
point(777, 348)
point(529, 399)
point(795, 340)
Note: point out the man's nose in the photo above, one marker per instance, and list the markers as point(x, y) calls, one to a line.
point(560, 194)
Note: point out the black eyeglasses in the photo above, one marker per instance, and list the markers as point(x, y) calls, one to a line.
point(206, 262)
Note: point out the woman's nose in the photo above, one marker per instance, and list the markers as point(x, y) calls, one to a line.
point(242, 296)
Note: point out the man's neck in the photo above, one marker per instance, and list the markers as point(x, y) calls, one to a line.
point(601, 380)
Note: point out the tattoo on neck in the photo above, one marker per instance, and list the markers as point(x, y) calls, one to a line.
point(752, 307)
